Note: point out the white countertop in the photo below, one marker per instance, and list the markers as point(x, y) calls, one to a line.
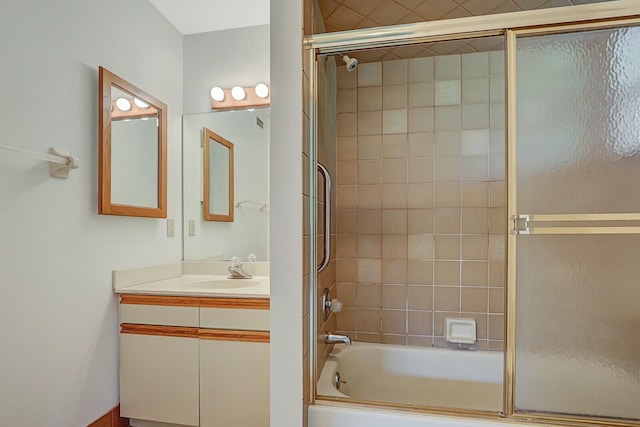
point(194, 285)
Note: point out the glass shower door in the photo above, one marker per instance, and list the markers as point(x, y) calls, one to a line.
point(576, 218)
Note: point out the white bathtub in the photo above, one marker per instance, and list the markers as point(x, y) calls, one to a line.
point(422, 376)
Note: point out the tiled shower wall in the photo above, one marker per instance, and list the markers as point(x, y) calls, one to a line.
point(421, 198)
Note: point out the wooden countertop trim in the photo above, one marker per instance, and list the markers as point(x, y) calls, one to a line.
point(207, 302)
point(158, 330)
point(234, 335)
point(169, 301)
point(250, 303)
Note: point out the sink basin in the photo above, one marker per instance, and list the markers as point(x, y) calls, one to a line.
point(222, 284)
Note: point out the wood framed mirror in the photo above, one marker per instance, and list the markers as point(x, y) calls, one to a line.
point(132, 179)
point(218, 177)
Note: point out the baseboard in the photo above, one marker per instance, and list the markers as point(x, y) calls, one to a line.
point(111, 419)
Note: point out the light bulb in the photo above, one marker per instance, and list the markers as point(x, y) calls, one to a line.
point(123, 104)
point(140, 103)
point(238, 93)
point(262, 90)
point(217, 94)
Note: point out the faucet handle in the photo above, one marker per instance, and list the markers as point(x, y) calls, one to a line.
point(236, 262)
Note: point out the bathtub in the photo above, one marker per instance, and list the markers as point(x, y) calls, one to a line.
point(423, 376)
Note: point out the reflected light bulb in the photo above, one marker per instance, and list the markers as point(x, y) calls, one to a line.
point(238, 93)
point(217, 94)
point(262, 90)
point(140, 103)
point(123, 104)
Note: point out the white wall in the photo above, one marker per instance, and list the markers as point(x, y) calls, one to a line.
point(248, 233)
point(287, 409)
point(58, 315)
point(223, 58)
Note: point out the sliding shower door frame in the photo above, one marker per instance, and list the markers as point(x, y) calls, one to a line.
point(512, 25)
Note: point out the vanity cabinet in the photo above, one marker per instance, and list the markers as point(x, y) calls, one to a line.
point(194, 361)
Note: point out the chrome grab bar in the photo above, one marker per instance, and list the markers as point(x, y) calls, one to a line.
point(327, 217)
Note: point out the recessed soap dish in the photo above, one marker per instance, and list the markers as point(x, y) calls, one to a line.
point(460, 331)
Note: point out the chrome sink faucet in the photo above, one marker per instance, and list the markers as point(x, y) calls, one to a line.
point(236, 271)
point(331, 338)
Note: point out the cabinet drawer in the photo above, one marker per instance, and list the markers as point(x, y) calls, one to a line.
point(154, 311)
point(234, 318)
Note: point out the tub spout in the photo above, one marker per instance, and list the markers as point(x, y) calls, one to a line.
point(331, 338)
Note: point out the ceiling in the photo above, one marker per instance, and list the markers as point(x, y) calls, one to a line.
point(201, 16)
point(340, 15)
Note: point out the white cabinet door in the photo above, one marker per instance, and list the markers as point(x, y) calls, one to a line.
point(234, 384)
point(159, 378)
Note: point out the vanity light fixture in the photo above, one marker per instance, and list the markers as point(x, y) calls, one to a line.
point(140, 103)
point(238, 93)
point(262, 90)
point(240, 97)
point(217, 94)
point(123, 104)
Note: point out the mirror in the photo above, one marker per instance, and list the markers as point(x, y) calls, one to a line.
point(218, 177)
point(132, 150)
point(249, 231)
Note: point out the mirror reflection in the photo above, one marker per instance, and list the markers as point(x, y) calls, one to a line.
point(132, 151)
point(248, 233)
point(218, 177)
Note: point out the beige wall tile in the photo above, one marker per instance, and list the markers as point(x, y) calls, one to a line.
point(420, 246)
point(419, 322)
point(447, 195)
point(369, 296)
point(475, 91)
point(394, 339)
point(447, 118)
point(447, 92)
point(347, 124)
point(496, 89)
point(475, 220)
point(475, 116)
point(475, 168)
point(347, 101)
point(447, 143)
point(394, 97)
point(420, 170)
point(497, 194)
point(394, 221)
point(368, 271)
point(475, 65)
point(496, 63)
point(497, 273)
point(417, 340)
point(394, 321)
point(369, 221)
point(421, 69)
point(369, 337)
point(475, 142)
point(394, 121)
point(496, 345)
point(394, 72)
point(347, 294)
point(347, 246)
point(394, 146)
point(497, 115)
point(496, 327)
point(447, 220)
point(368, 321)
point(369, 172)
point(421, 144)
point(347, 148)
point(475, 194)
point(497, 221)
point(497, 167)
point(447, 246)
point(420, 196)
point(475, 247)
point(347, 173)
point(447, 67)
point(446, 298)
point(420, 297)
point(369, 98)
point(496, 300)
point(369, 123)
point(346, 79)
point(346, 221)
point(370, 74)
point(394, 196)
point(421, 119)
point(447, 273)
point(447, 169)
point(369, 245)
point(394, 296)
point(394, 246)
point(421, 95)
point(394, 271)
point(347, 270)
point(347, 320)
point(369, 147)
point(474, 300)
point(369, 197)
point(420, 272)
point(346, 197)
point(475, 273)
point(420, 221)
